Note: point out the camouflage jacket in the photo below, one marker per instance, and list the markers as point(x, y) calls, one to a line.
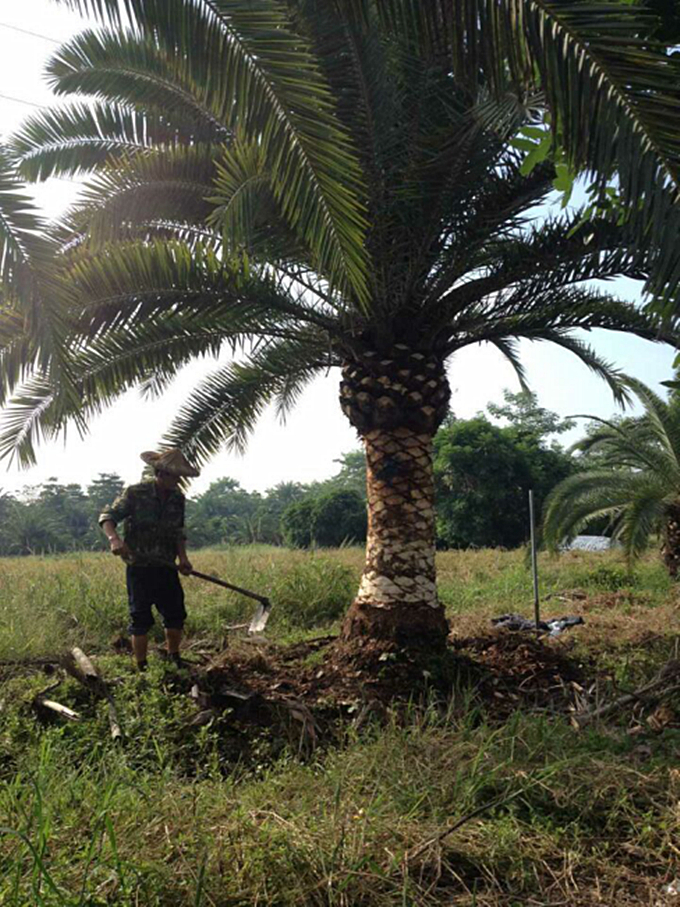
point(153, 526)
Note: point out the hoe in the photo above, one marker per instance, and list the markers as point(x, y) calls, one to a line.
point(261, 615)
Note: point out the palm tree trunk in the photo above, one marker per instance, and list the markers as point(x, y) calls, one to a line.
point(397, 597)
point(397, 404)
point(671, 546)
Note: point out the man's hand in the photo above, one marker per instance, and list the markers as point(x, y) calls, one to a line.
point(119, 548)
point(185, 566)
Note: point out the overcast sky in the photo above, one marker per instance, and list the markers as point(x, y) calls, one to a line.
point(317, 432)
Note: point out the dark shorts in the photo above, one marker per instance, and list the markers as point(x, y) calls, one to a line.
point(159, 586)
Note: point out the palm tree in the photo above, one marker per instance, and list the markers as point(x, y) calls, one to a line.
point(335, 185)
point(30, 530)
point(633, 479)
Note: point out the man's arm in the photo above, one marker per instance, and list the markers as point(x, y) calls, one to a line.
point(116, 543)
point(108, 520)
point(185, 565)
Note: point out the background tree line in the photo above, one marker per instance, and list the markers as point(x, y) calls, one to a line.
point(483, 471)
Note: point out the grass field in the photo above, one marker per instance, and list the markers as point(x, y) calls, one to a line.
point(175, 816)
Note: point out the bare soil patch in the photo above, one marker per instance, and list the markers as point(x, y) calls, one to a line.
point(329, 677)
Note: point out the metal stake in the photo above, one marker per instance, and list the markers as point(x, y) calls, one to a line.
point(534, 559)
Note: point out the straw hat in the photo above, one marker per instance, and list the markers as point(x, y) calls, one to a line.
point(171, 460)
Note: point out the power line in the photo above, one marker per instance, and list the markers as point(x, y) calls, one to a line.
point(25, 31)
point(21, 101)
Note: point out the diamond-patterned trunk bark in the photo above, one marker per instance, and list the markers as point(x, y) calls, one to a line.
point(671, 546)
point(397, 405)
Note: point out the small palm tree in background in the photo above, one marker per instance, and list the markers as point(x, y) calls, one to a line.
point(342, 185)
point(632, 479)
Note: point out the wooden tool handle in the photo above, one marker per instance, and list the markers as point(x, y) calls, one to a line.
point(220, 582)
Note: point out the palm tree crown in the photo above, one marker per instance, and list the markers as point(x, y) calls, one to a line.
point(632, 479)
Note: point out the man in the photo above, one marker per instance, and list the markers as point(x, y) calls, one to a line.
point(153, 518)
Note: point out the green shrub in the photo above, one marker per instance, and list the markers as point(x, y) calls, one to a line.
point(296, 524)
point(610, 577)
point(327, 520)
point(338, 517)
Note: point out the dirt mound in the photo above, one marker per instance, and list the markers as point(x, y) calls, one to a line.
point(503, 670)
point(521, 670)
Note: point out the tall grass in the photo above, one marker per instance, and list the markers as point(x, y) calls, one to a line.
point(64, 600)
point(59, 601)
point(565, 813)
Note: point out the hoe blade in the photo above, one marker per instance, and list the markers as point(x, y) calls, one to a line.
point(259, 619)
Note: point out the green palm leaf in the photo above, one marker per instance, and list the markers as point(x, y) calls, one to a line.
point(77, 138)
point(660, 418)
point(139, 313)
point(613, 97)
point(244, 211)
point(17, 352)
point(224, 409)
point(27, 422)
point(553, 316)
point(129, 69)
point(23, 248)
point(643, 516)
point(263, 78)
point(634, 476)
point(508, 347)
point(630, 444)
point(128, 283)
point(31, 293)
point(152, 186)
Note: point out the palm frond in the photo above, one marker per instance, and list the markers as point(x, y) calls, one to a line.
point(224, 409)
point(551, 256)
point(148, 355)
point(629, 443)
point(508, 347)
point(604, 369)
point(246, 216)
point(154, 185)
point(613, 443)
point(633, 445)
point(475, 194)
point(356, 63)
point(314, 174)
point(243, 204)
point(26, 422)
point(23, 247)
point(582, 307)
point(112, 12)
point(128, 283)
point(634, 479)
point(29, 285)
point(586, 496)
point(643, 516)
point(647, 442)
point(76, 138)
point(553, 317)
point(129, 69)
point(614, 98)
point(151, 355)
point(265, 79)
point(17, 351)
point(660, 418)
